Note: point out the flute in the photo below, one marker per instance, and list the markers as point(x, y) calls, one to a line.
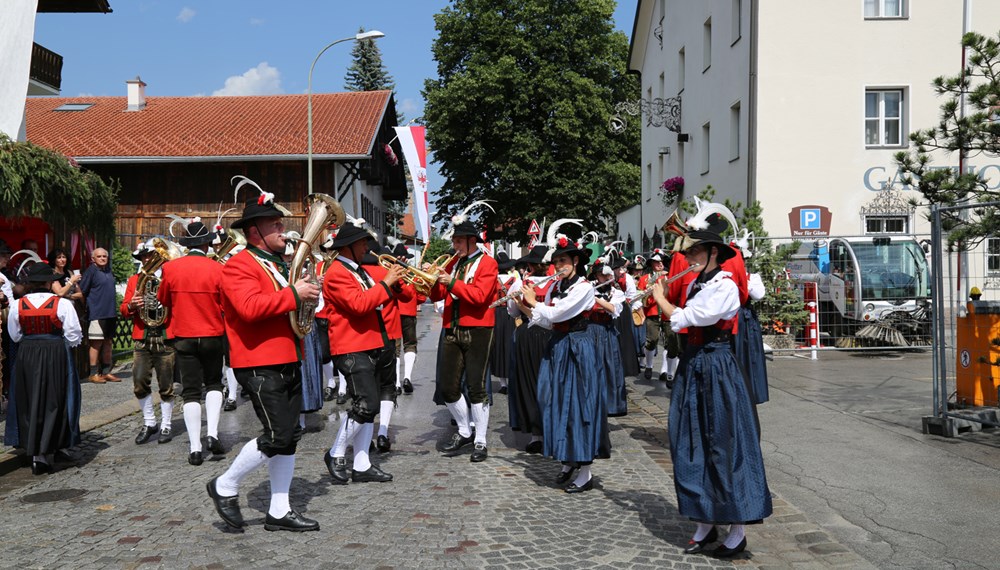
point(529, 282)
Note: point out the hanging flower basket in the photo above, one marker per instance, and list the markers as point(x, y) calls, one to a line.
point(671, 190)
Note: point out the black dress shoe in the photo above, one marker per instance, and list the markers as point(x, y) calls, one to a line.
point(166, 436)
point(41, 468)
point(722, 551)
point(328, 394)
point(337, 466)
point(373, 475)
point(145, 433)
point(503, 390)
point(195, 458)
point(214, 445)
point(399, 390)
point(698, 546)
point(663, 376)
point(564, 476)
point(227, 507)
point(341, 399)
point(648, 373)
point(383, 444)
point(454, 447)
point(574, 488)
point(534, 447)
point(407, 386)
point(229, 405)
point(293, 521)
point(479, 453)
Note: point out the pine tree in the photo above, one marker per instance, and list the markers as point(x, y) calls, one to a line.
point(367, 72)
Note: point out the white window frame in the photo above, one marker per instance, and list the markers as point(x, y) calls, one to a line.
point(706, 46)
point(681, 64)
point(880, 118)
point(994, 245)
point(882, 219)
point(734, 131)
point(706, 147)
point(880, 10)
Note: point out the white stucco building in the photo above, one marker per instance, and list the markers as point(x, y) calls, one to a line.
point(798, 104)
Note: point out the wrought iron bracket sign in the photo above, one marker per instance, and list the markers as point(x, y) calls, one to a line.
point(659, 113)
point(888, 202)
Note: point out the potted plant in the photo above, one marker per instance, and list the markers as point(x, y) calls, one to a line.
point(671, 190)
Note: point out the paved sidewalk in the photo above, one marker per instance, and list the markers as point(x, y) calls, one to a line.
point(124, 505)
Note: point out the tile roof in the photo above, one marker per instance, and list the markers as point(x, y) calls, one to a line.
point(179, 127)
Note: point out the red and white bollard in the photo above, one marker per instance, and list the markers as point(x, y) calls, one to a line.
point(809, 292)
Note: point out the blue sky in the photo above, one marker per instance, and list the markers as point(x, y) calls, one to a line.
point(245, 47)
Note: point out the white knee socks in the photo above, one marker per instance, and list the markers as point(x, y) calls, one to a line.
point(399, 379)
point(582, 476)
point(362, 439)
point(737, 533)
point(384, 416)
point(460, 411)
point(248, 460)
point(148, 415)
point(280, 469)
point(231, 383)
point(342, 387)
point(672, 365)
point(650, 354)
point(166, 414)
point(345, 434)
point(213, 409)
point(702, 531)
point(408, 359)
point(481, 415)
point(331, 378)
point(192, 421)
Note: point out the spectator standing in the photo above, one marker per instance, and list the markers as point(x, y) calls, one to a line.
point(98, 287)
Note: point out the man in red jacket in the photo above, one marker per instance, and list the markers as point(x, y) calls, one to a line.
point(363, 350)
point(150, 353)
point(190, 290)
point(265, 354)
point(389, 386)
point(468, 287)
point(409, 300)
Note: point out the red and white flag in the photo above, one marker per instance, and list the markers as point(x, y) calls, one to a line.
point(413, 142)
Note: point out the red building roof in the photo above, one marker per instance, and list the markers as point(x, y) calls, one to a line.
point(272, 126)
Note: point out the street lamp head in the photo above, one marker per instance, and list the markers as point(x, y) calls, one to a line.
point(369, 35)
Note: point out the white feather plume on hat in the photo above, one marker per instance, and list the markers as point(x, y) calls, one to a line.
point(463, 216)
point(553, 235)
point(175, 219)
point(699, 221)
point(743, 242)
point(268, 197)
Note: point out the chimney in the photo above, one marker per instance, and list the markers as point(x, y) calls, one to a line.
point(136, 94)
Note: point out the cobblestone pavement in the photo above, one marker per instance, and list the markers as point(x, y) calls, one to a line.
point(126, 506)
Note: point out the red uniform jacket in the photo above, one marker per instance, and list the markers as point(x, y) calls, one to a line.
point(353, 316)
point(408, 299)
point(738, 268)
point(649, 306)
point(475, 298)
point(321, 269)
point(256, 308)
point(138, 327)
point(390, 310)
point(190, 287)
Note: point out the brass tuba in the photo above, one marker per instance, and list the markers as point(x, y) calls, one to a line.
point(675, 225)
point(323, 211)
point(153, 313)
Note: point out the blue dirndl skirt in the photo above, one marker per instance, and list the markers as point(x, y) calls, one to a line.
point(609, 362)
point(718, 467)
point(572, 398)
point(750, 354)
point(312, 373)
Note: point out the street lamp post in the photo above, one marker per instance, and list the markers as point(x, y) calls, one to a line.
point(309, 112)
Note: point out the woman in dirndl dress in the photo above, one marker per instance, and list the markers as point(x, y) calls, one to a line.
point(43, 414)
point(571, 394)
point(503, 327)
point(714, 443)
point(749, 342)
point(623, 322)
point(608, 303)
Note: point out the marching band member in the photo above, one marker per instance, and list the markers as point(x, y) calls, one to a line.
point(623, 322)
point(323, 325)
point(657, 328)
point(363, 351)
point(468, 287)
point(571, 395)
point(151, 352)
point(408, 300)
point(749, 341)
point(389, 386)
point(43, 414)
point(529, 347)
point(608, 303)
point(635, 272)
point(190, 290)
point(718, 467)
point(312, 360)
point(265, 353)
point(503, 327)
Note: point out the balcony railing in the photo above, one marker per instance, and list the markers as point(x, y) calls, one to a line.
point(46, 66)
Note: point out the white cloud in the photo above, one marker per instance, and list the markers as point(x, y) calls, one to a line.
point(260, 80)
point(186, 15)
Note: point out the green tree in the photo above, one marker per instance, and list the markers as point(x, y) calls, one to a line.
point(519, 109)
point(977, 132)
point(367, 72)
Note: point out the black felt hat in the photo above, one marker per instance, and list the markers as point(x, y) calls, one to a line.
point(536, 255)
point(400, 252)
point(467, 229)
point(504, 262)
point(350, 233)
point(256, 209)
point(712, 235)
point(198, 234)
point(40, 273)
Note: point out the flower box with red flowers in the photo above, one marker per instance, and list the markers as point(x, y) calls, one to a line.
point(671, 189)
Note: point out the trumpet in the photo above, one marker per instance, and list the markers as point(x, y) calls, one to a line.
point(233, 239)
point(422, 281)
point(638, 317)
point(515, 295)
